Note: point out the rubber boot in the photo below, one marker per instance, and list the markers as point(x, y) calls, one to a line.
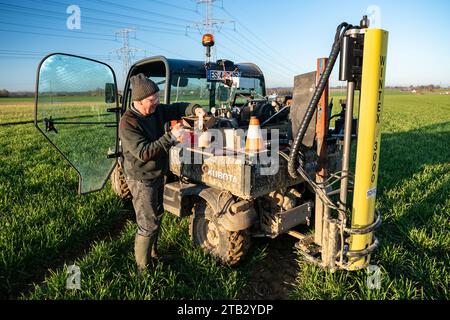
point(165, 258)
point(141, 252)
point(154, 252)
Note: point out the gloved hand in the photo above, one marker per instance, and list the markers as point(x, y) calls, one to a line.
point(177, 132)
point(199, 111)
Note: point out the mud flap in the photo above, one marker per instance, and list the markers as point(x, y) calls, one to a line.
point(238, 221)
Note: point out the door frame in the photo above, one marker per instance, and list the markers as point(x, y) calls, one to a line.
point(117, 111)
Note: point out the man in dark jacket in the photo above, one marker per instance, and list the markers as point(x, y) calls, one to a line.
point(145, 147)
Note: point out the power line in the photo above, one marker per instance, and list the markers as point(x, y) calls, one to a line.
point(270, 66)
point(245, 47)
point(262, 66)
point(163, 30)
point(58, 14)
point(54, 29)
point(37, 52)
point(113, 25)
point(255, 35)
point(126, 52)
point(176, 54)
point(14, 57)
point(43, 54)
point(137, 10)
point(165, 4)
point(263, 52)
point(55, 35)
point(158, 28)
point(179, 32)
point(209, 24)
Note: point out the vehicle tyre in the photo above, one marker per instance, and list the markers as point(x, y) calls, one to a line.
point(229, 247)
point(119, 184)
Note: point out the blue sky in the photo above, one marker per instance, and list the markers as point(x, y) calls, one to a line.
point(283, 37)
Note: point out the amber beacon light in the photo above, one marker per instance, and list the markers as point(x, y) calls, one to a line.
point(208, 40)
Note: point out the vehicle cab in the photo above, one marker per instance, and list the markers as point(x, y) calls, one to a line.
point(199, 82)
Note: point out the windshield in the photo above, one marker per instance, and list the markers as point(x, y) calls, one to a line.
point(199, 90)
point(190, 89)
point(239, 92)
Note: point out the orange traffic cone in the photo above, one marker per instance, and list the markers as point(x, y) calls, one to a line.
point(255, 140)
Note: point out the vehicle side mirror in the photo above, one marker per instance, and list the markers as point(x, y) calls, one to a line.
point(110, 93)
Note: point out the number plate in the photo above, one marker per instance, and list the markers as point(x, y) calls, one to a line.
point(215, 75)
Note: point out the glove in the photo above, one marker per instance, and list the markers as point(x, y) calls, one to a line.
point(177, 132)
point(198, 110)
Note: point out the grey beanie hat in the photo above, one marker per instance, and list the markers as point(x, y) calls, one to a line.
point(142, 87)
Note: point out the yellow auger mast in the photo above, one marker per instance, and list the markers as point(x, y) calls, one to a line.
point(337, 243)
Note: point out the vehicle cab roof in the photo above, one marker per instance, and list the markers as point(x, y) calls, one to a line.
point(162, 66)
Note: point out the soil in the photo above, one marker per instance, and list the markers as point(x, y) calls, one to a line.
point(274, 277)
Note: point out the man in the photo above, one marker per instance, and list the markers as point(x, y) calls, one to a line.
point(145, 147)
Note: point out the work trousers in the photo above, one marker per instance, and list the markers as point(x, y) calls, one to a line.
point(148, 204)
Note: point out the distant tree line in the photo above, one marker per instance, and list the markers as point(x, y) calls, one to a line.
point(422, 88)
point(430, 88)
point(4, 93)
point(16, 94)
point(92, 93)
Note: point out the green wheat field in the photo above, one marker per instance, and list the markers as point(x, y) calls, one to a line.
point(46, 227)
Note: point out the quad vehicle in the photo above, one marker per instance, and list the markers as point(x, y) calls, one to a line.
point(299, 177)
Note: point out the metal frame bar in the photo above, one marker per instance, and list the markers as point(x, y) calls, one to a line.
point(321, 133)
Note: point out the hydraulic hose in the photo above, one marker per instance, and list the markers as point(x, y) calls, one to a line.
point(297, 144)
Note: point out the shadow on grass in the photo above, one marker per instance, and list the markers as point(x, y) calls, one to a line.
point(412, 161)
point(414, 186)
point(35, 257)
point(405, 153)
point(34, 268)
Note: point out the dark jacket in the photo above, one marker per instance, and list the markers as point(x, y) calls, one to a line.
point(145, 144)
